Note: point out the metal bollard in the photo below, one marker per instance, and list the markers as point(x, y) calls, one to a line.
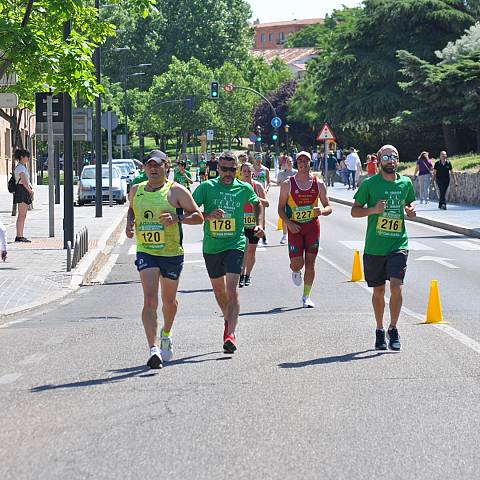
point(69, 256)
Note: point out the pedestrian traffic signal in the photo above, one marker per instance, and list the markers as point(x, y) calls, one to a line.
point(259, 139)
point(259, 134)
point(214, 90)
point(275, 137)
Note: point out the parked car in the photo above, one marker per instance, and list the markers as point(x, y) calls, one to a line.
point(86, 185)
point(128, 168)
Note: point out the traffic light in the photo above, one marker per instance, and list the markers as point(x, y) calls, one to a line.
point(275, 136)
point(214, 90)
point(259, 135)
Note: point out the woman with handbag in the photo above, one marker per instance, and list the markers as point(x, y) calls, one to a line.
point(424, 169)
point(23, 195)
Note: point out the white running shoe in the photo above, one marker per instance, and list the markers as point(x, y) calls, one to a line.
point(307, 303)
point(155, 360)
point(166, 348)
point(283, 240)
point(297, 278)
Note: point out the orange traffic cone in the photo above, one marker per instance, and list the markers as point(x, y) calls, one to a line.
point(357, 272)
point(434, 311)
point(279, 224)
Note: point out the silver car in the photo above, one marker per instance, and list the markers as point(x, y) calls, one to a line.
point(86, 185)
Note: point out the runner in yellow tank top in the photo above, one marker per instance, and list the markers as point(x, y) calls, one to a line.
point(157, 210)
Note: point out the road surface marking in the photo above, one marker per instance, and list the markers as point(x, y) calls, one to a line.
point(35, 358)
point(132, 250)
point(449, 330)
point(9, 378)
point(359, 245)
point(102, 275)
point(194, 261)
point(196, 247)
point(439, 260)
point(463, 244)
point(13, 322)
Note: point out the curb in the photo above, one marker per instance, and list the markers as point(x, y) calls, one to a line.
point(79, 274)
point(468, 232)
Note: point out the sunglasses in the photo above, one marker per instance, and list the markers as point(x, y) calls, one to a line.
point(386, 158)
point(228, 169)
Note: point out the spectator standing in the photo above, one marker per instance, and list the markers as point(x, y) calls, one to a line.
point(371, 165)
point(3, 241)
point(442, 171)
point(424, 169)
point(24, 194)
point(331, 169)
point(351, 163)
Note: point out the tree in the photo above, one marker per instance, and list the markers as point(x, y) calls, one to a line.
point(33, 47)
point(308, 37)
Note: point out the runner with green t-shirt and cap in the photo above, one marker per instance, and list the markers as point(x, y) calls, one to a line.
point(388, 196)
point(158, 208)
point(182, 175)
point(224, 241)
point(202, 167)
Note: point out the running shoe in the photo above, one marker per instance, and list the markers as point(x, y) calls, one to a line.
point(155, 360)
point(247, 281)
point(225, 331)
point(166, 348)
point(230, 344)
point(394, 339)
point(380, 343)
point(297, 278)
point(307, 302)
point(283, 240)
point(242, 280)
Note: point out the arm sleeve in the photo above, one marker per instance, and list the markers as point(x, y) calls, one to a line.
point(362, 193)
point(199, 194)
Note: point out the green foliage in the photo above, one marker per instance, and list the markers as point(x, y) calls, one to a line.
point(33, 46)
point(308, 37)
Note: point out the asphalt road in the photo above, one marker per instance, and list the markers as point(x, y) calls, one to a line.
point(305, 396)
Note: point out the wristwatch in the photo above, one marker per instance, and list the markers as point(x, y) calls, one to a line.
point(180, 217)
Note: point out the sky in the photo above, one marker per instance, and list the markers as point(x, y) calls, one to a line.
point(278, 10)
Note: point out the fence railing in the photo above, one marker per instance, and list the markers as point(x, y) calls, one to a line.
point(79, 249)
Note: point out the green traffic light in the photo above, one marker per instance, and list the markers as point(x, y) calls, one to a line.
point(274, 137)
point(259, 139)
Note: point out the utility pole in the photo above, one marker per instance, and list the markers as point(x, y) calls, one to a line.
point(98, 131)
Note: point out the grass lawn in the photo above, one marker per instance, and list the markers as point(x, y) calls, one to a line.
point(469, 161)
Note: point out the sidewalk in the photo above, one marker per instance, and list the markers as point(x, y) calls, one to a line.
point(459, 218)
point(36, 273)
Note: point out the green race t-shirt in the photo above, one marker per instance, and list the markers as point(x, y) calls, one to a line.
point(140, 178)
point(202, 165)
point(386, 231)
point(225, 233)
point(180, 178)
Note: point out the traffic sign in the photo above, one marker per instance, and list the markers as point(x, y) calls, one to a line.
point(105, 120)
point(8, 100)
point(229, 87)
point(41, 107)
point(209, 135)
point(253, 138)
point(276, 122)
point(9, 79)
point(326, 133)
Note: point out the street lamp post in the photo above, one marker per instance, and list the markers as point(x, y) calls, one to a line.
point(287, 128)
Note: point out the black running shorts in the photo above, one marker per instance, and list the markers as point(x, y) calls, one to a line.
point(379, 268)
point(218, 264)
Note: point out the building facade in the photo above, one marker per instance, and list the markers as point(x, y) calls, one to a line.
point(274, 35)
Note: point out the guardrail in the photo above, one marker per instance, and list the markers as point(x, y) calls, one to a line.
point(80, 248)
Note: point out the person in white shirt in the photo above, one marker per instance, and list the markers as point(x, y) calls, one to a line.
point(23, 195)
point(352, 162)
point(3, 241)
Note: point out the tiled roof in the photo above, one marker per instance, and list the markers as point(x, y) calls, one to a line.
point(290, 56)
point(309, 21)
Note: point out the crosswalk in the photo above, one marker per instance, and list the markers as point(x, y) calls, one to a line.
point(414, 245)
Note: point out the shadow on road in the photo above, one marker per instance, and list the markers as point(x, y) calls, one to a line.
point(200, 290)
point(127, 373)
point(336, 359)
point(192, 359)
point(272, 311)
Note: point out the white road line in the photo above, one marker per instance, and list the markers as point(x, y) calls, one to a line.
point(449, 330)
point(13, 322)
point(463, 244)
point(439, 260)
point(9, 378)
point(102, 275)
point(31, 359)
point(194, 261)
point(132, 250)
point(359, 245)
point(196, 247)
point(122, 238)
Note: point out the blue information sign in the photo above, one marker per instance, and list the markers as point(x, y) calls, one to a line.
point(276, 122)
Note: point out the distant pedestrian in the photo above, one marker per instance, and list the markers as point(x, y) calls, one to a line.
point(24, 194)
point(424, 169)
point(331, 169)
point(3, 241)
point(351, 162)
point(372, 165)
point(442, 171)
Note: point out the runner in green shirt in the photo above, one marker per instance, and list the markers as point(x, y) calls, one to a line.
point(202, 167)
point(183, 176)
point(224, 241)
point(387, 197)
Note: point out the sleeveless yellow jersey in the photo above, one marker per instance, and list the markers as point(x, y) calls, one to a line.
point(152, 237)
